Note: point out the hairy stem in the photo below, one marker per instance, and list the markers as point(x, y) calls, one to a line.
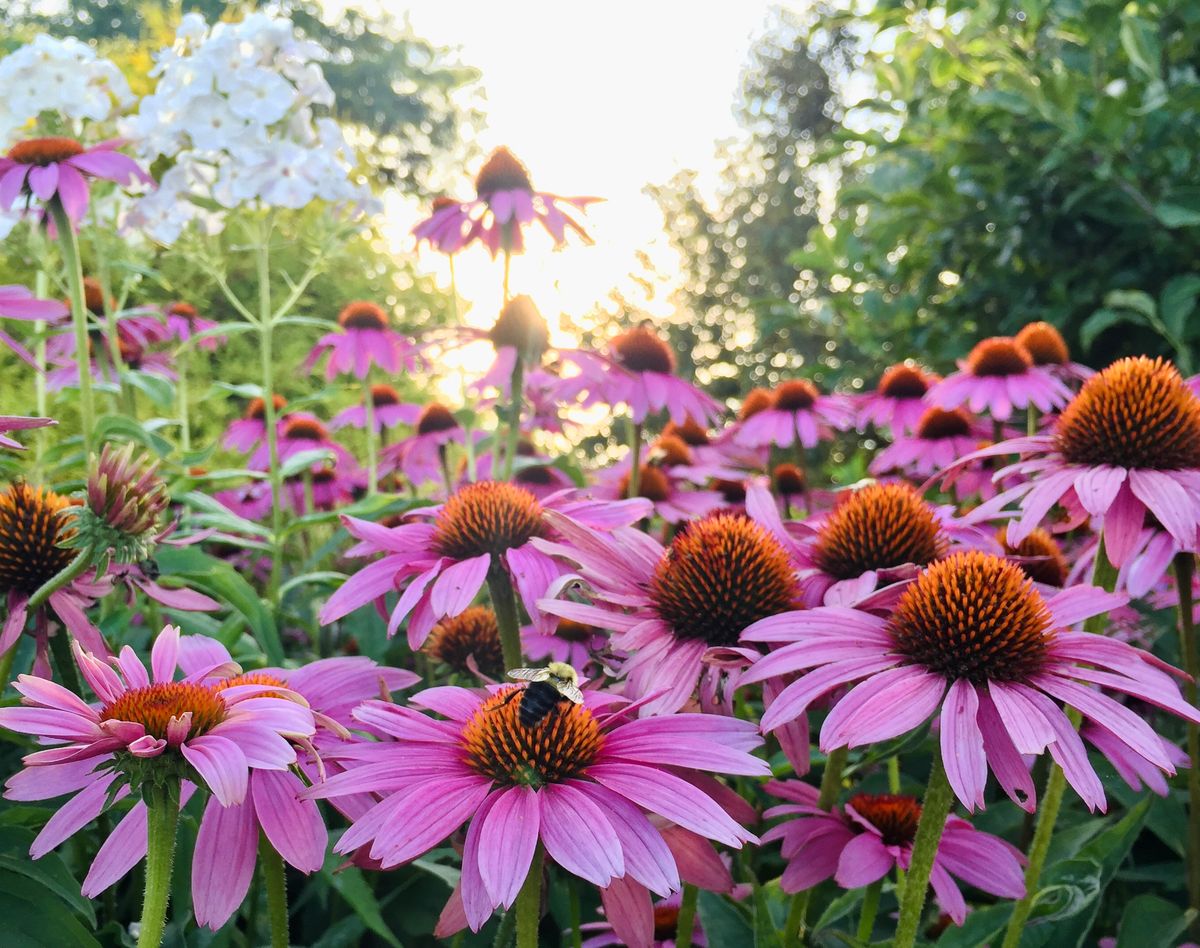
point(276, 884)
point(686, 920)
point(162, 815)
point(934, 809)
point(528, 907)
point(870, 908)
point(508, 619)
point(372, 440)
point(1185, 566)
point(635, 459)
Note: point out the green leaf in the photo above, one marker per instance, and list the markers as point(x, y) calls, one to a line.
point(33, 915)
point(1177, 302)
point(1067, 903)
point(223, 582)
point(1149, 922)
point(1139, 39)
point(123, 428)
point(1173, 215)
point(1104, 319)
point(723, 923)
point(351, 886)
point(159, 390)
point(49, 872)
point(982, 927)
point(299, 463)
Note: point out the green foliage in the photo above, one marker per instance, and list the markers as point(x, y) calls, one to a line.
point(952, 171)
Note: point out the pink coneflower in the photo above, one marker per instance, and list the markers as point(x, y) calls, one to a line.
point(972, 639)
point(941, 437)
point(668, 481)
point(468, 643)
point(16, 302)
point(183, 322)
point(328, 486)
point(440, 557)
point(1048, 349)
point(532, 470)
point(422, 456)
point(32, 534)
point(862, 842)
point(997, 376)
point(505, 204)
point(577, 783)
point(365, 340)
point(1040, 558)
point(388, 412)
point(231, 733)
point(898, 402)
point(46, 168)
point(875, 536)
point(19, 423)
point(301, 432)
point(638, 371)
point(684, 605)
point(133, 354)
point(246, 433)
point(798, 414)
point(1128, 444)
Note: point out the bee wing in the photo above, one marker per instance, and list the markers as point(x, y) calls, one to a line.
point(528, 674)
point(571, 693)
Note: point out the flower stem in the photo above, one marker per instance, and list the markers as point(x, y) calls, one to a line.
point(267, 367)
point(1047, 816)
point(529, 904)
point(1104, 576)
point(276, 883)
point(182, 395)
point(372, 436)
point(6, 664)
point(576, 912)
point(507, 269)
point(41, 288)
point(831, 782)
point(61, 578)
point(686, 920)
point(1031, 421)
point(635, 459)
point(504, 603)
point(514, 417)
point(162, 815)
point(870, 908)
point(893, 768)
point(79, 316)
point(504, 934)
point(1185, 566)
point(934, 809)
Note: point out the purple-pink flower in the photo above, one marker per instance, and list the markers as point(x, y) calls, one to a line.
point(365, 339)
point(862, 842)
point(46, 168)
point(999, 376)
point(798, 414)
point(974, 642)
point(16, 302)
point(579, 784)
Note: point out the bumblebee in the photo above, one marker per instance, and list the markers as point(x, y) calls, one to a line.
point(548, 687)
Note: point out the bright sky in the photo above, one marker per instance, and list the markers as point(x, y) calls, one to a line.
point(597, 99)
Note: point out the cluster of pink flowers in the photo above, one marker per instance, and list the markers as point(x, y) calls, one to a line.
point(702, 602)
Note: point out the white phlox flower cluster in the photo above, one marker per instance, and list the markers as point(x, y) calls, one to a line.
point(60, 78)
point(233, 110)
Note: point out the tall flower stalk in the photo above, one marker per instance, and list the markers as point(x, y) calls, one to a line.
point(1184, 567)
point(939, 798)
point(79, 318)
point(1104, 576)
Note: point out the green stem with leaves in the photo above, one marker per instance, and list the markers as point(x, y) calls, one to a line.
point(79, 317)
point(935, 807)
point(162, 816)
point(831, 783)
point(276, 885)
point(1185, 566)
point(528, 906)
point(508, 619)
point(686, 920)
point(1104, 576)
